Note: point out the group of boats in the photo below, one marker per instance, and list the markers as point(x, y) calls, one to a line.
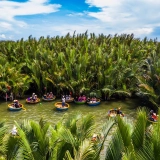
point(58, 105)
point(16, 106)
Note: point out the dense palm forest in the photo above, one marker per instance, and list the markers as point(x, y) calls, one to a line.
point(70, 139)
point(116, 66)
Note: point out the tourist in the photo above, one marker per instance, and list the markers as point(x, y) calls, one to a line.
point(16, 103)
point(80, 98)
point(11, 96)
point(51, 95)
point(48, 96)
point(33, 97)
point(119, 112)
point(14, 131)
point(152, 116)
point(94, 99)
point(83, 98)
point(94, 138)
point(63, 101)
point(88, 99)
point(67, 97)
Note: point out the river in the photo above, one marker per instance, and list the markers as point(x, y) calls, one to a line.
point(48, 112)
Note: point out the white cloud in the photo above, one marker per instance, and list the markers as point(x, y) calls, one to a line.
point(138, 16)
point(2, 36)
point(10, 9)
point(76, 14)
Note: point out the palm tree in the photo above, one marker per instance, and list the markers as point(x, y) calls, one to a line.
point(134, 141)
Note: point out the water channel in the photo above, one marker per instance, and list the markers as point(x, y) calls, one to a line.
point(49, 113)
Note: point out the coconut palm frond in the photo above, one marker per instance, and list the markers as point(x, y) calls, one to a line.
point(44, 125)
point(105, 131)
point(68, 156)
point(146, 153)
point(125, 130)
point(153, 102)
point(67, 136)
point(41, 137)
point(12, 147)
point(156, 140)
point(138, 135)
point(129, 156)
point(54, 137)
point(50, 80)
point(25, 151)
point(146, 87)
point(108, 88)
point(124, 93)
point(115, 147)
point(3, 140)
point(85, 151)
point(87, 126)
point(67, 119)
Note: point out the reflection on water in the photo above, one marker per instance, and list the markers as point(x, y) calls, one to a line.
point(48, 112)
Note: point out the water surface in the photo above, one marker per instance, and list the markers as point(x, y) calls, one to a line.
point(48, 112)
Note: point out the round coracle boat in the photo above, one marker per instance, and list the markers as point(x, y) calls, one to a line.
point(48, 99)
point(113, 113)
point(70, 100)
point(59, 107)
point(12, 108)
point(151, 121)
point(30, 101)
point(94, 103)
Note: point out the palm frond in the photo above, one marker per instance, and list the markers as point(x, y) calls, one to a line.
point(115, 147)
point(85, 151)
point(138, 136)
point(25, 151)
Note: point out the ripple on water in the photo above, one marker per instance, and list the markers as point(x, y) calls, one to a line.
point(48, 112)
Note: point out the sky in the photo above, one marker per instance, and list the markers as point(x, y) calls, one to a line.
point(22, 18)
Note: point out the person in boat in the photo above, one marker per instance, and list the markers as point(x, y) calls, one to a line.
point(119, 112)
point(152, 116)
point(83, 98)
point(16, 104)
point(94, 99)
point(63, 101)
point(33, 97)
point(111, 111)
point(48, 96)
point(51, 95)
point(44, 96)
point(14, 131)
point(80, 98)
point(88, 99)
point(94, 138)
point(67, 97)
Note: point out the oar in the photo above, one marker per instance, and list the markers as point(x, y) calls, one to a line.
point(24, 108)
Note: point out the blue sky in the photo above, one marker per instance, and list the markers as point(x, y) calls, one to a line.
point(22, 18)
